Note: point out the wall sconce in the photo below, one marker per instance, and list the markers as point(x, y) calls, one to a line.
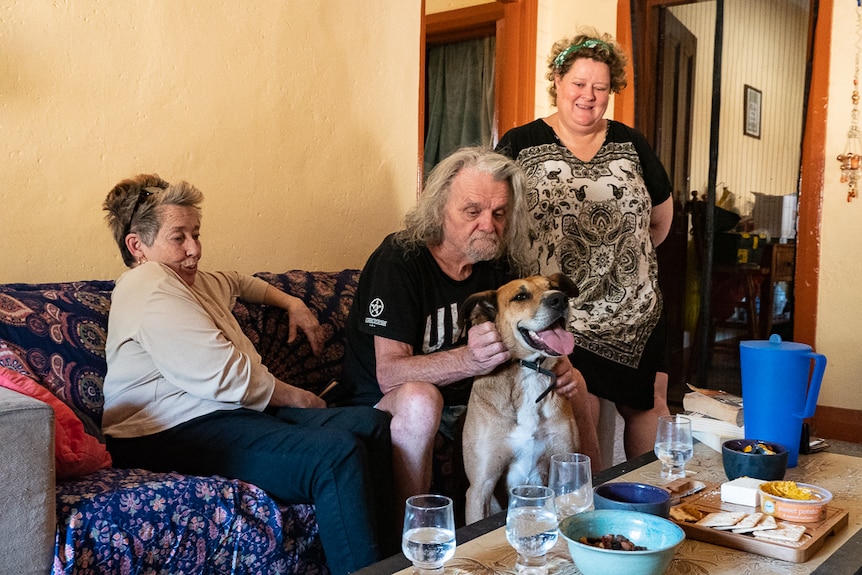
point(851, 159)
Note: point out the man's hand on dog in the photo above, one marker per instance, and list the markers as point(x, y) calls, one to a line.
point(569, 379)
point(485, 348)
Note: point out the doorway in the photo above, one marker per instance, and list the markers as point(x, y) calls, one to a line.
point(728, 154)
point(674, 98)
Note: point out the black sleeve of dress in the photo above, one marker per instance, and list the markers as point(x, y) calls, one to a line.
point(505, 147)
point(655, 176)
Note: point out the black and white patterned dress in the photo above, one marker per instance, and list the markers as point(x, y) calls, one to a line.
point(591, 221)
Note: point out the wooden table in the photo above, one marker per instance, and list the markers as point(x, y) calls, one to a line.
point(482, 546)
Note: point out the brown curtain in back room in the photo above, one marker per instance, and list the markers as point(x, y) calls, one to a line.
point(460, 97)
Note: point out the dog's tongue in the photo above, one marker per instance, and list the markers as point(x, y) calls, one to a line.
point(558, 339)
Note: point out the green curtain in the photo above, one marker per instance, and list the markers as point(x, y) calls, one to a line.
point(460, 92)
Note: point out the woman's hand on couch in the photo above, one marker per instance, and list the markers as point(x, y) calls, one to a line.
point(286, 395)
point(300, 318)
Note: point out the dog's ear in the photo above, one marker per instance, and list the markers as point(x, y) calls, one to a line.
point(479, 307)
point(564, 283)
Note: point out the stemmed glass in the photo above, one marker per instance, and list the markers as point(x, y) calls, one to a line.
point(428, 538)
point(571, 478)
point(531, 527)
point(673, 445)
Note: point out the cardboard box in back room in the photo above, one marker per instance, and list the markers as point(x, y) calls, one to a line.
point(775, 216)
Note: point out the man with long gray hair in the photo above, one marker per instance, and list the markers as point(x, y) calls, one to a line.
point(405, 353)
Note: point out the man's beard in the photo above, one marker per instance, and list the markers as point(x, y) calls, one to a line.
point(483, 247)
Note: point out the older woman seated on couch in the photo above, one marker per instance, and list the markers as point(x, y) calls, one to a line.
point(186, 391)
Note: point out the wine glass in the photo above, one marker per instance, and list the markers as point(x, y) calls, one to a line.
point(571, 478)
point(428, 538)
point(673, 445)
point(531, 527)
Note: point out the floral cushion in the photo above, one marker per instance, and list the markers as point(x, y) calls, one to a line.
point(55, 334)
point(136, 521)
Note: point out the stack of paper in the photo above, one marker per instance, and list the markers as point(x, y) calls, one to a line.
point(713, 432)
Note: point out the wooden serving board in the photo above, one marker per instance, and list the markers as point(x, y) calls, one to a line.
point(709, 501)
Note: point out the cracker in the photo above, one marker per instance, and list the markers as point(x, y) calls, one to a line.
point(721, 519)
point(766, 522)
point(686, 512)
point(754, 522)
point(785, 532)
point(745, 523)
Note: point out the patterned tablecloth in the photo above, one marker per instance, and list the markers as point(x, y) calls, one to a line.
point(840, 474)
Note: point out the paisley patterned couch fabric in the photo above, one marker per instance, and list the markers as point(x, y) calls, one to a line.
point(136, 521)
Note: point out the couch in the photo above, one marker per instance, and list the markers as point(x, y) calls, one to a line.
point(66, 510)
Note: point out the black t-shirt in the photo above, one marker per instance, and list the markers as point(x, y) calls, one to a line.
point(406, 297)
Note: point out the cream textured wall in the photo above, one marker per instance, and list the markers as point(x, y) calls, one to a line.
point(839, 312)
point(298, 121)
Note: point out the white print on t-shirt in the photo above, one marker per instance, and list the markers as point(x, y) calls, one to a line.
point(437, 329)
point(375, 308)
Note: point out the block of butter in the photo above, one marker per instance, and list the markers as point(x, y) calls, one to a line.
point(742, 491)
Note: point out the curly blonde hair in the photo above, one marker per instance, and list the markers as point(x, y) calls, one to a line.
point(589, 43)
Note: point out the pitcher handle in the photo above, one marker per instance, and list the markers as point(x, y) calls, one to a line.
point(814, 384)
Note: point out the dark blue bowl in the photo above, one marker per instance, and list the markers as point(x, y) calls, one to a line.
point(627, 496)
point(737, 463)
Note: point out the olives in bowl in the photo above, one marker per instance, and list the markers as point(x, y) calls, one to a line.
point(755, 458)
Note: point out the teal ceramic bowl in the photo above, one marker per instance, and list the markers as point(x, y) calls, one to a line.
point(660, 536)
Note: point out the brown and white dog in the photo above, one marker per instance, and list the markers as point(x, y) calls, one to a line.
point(511, 430)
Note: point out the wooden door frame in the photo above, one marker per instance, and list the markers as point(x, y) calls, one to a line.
point(514, 24)
point(813, 157)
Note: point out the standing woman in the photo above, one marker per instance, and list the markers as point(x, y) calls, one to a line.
point(600, 201)
point(186, 391)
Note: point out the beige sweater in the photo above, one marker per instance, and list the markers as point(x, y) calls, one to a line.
point(176, 352)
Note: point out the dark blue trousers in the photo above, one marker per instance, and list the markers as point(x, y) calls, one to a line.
point(339, 459)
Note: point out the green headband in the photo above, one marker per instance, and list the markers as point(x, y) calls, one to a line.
point(561, 57)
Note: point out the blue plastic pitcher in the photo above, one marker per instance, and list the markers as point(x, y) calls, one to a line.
point(779, 390)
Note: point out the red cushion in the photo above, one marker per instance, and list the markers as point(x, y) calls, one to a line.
point(76, 452)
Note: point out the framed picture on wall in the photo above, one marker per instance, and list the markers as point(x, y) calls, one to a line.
point(752, 112)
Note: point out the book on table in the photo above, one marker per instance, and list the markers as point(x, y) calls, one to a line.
point(711, 431)
point(715, 403)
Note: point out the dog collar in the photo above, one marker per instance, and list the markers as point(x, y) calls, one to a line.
point(536, 365)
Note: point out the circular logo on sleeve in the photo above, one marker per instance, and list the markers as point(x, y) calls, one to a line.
point(375, 308)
